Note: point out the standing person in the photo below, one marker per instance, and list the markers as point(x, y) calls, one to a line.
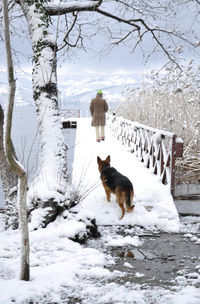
point(98, 108)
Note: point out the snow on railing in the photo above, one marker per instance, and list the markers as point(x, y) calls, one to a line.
point(156, 148)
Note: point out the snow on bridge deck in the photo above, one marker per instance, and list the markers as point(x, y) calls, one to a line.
point(154, 205)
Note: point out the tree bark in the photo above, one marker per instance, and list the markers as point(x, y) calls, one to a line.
point(9, 183)
point(25, 267)
point(15, 166)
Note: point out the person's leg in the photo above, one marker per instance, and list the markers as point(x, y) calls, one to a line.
point(102, 133)
point(97, 133)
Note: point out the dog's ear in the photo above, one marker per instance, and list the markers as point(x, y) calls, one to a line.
point(108, 159)
point(98, 160)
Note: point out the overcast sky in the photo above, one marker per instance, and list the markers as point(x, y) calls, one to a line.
point(120, 58)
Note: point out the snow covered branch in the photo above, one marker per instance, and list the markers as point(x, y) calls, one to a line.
point(61, 8)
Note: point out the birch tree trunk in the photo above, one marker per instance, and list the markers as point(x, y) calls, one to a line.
point(15, 166)
point(49, 187)
point(9, 183)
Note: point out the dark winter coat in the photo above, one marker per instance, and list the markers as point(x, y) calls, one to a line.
point(98, 108)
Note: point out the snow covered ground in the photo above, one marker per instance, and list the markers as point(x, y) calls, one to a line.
point(63, 271)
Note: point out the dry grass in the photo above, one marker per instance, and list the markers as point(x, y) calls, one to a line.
point(170, 102)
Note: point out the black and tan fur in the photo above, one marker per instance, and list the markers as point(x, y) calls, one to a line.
point(115, 182)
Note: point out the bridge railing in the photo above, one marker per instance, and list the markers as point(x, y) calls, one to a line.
point(158, 149)
point(70, 113)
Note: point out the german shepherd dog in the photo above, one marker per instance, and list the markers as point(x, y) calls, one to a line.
point(115, 182)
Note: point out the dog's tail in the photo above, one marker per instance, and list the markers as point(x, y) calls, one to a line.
point(129, 200)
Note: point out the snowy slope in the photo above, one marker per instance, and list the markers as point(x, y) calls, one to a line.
point(154, 206)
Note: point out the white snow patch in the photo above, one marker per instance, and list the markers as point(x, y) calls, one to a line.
point(139, 275)
point(126, 264)
point(124, 241)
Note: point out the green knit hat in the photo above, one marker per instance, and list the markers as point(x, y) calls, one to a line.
point(99, 92)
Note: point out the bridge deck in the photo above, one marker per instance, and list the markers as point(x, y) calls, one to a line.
point(154, 205)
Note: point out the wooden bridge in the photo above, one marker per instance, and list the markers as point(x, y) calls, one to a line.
point(157, 149)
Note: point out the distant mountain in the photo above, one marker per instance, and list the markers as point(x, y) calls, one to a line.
point(75, 89)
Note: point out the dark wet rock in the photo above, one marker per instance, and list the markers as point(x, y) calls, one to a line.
point(49, 209)
point(91, 231)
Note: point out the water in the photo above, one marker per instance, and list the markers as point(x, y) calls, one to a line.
point(25, 137)
point(70, 136)
point(161, 259)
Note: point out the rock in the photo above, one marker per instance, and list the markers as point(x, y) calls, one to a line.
point(46, 212)
point(91, 231)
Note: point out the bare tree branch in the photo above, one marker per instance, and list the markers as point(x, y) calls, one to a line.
point(151, 30)
point(131, 22)
point(66, 38)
